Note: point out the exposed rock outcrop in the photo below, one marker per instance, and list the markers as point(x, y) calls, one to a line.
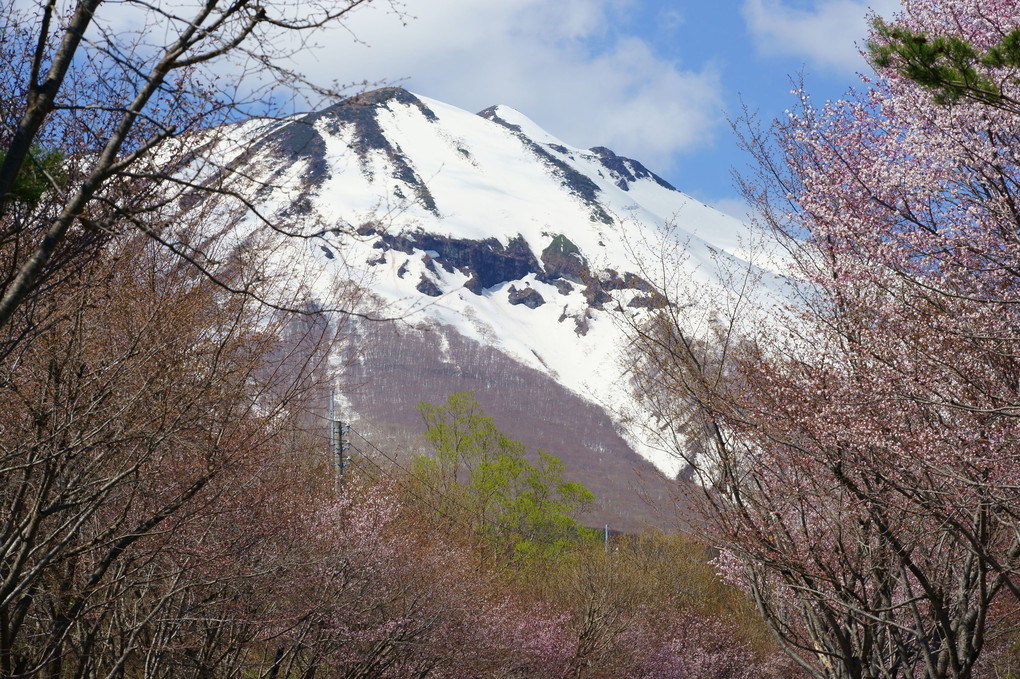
point(427, 286)
point(529, 297)
point(486, 262)
point(626, 170)
point(296, 140)
point(562, 259)
point(597, 289)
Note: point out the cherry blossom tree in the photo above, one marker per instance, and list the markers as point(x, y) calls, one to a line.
point(382, 595)
point(858, 450)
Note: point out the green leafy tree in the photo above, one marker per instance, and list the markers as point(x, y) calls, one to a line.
point(44, 171)
point(516, 509)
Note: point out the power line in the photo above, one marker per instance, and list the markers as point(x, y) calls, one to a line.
point(409, 474)
point(500, 527)
point(400, 480)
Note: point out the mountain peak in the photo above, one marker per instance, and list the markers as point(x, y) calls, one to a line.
point(511, 118)
point(485, 225)
point(373, 100)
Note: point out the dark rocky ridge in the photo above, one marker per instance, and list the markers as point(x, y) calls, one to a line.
point(579, 184)
point(362, 112)
point(563, 260)
point(652, 299)
point(300, 140)
point(288, 143)
point(627, 169)
point(486, 262)
point(427, 286)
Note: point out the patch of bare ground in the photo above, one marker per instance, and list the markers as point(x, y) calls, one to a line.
point(399, 366)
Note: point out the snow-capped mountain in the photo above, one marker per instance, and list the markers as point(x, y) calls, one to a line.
point(503, 249)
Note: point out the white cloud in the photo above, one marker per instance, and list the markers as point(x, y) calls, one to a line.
point(828, 35)
point(564, 64)
point(557, 62)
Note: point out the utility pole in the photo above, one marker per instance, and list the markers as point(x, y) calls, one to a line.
point(607, 538)
point(337, 445)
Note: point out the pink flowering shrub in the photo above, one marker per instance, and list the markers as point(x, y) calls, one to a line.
point(384, 597)
point(700, 647)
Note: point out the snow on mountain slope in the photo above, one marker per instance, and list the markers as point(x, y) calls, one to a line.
point(486, 224)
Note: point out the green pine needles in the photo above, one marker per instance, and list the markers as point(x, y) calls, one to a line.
point(949, 66)
point(43, 170)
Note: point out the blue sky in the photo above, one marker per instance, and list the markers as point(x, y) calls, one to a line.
point(651, 79)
